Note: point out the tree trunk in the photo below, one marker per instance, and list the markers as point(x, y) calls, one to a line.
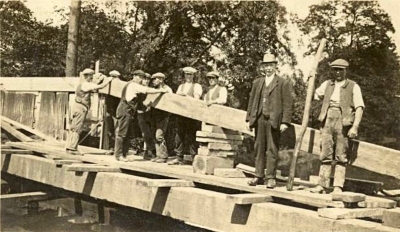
point(73, 31)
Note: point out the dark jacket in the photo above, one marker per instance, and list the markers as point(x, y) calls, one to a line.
point(280, 102)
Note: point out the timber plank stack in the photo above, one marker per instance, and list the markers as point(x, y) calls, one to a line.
point(218, 147)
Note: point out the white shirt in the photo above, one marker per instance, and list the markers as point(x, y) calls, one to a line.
point(223, 95)
point(335, 98)
point(185, 87)
point(133, 89)
point(268, 79)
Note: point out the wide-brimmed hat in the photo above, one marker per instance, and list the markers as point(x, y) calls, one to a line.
point(269, 58)
point(339, 63)
point(88, 71)
point(212, 74)
point(158, 75)
point(189, 70)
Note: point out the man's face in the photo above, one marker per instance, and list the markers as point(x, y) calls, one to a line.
point(212, 81)
point(157, 82)
point(137, 79)
point(88, 77)
point(268, 68)
point(189, 77)
point(339, 74)
point(146, 81)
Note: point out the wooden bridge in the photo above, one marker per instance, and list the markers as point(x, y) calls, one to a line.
point(208, 201)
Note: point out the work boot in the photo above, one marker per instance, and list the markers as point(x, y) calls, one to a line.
point(177, 161)
point(74, 152)
point(149, 155)
point(319, 189)
point(337, 190)
point(161, 160)
point(122, 159)
point(256, 181)
point(271, 183)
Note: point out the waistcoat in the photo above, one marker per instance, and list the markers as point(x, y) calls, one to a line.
point(82, 97)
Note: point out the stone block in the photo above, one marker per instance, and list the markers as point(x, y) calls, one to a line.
point(207, 164)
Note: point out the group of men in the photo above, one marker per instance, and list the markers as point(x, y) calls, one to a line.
point(269, 112)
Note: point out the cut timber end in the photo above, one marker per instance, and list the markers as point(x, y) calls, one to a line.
point(249, 198)
point(377, 202)
point(391, 218)
point(348, 197)
point(15, 151)
point(218, 135)
point(228, 173)
point(91, 168)
point(349, 213)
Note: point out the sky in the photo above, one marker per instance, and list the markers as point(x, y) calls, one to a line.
point(44, 10)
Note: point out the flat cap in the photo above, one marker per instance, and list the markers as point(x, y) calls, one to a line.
point(339, 63)
point(189, 70)
point(158, 75)
point(114, 73)
point(269, 58)
point(88, 71)
point(139, 73)
point(212, 74)
point(148, 75)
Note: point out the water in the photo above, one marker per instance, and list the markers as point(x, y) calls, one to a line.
point(14, 218)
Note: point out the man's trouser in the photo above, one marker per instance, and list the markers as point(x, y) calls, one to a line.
point(334, 146)
point(123, 132)
point(78, 117)
point(144, 120)
point(266, 148)
point(159, 124)
point(185, 138)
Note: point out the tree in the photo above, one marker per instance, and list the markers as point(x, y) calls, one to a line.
point(358, 31)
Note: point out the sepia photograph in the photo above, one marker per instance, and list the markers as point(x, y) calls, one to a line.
point(200, 116)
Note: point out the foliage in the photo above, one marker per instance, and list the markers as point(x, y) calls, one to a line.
point(358, 31)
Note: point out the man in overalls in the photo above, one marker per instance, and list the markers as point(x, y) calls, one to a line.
point(340, 117)
point(185, 138)
point(81, 108)
point(160, 120)
point(132, 95)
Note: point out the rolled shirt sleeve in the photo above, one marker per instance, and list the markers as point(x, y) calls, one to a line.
point(320, 91)
point(223, 96)
point(133, 89)
point(198, 90)
point(357, 97)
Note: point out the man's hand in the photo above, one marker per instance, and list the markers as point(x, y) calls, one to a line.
point(248, 126)
point(163, 90)
point(283, 127)
point(353, 132)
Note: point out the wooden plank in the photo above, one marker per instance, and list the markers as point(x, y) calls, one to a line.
point(391, 217)
point(219, 136)
point(376, 202)
point(91, 168)
point(60, 111)
point(249, 198)
point(162, 183)
point(222, 146)
point(38, 84)
point(216, 129)
point(20, 107)
point(15, 151)
point(67, 162)
point(205, 151)
point(348, 197)
point(17, 134)
point(47, 116)
point(349, 213)
point(228, 173)
point(29, 196)
point(212, 140)
point(26, 128)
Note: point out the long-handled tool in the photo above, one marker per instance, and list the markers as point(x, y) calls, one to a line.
point(91, 131)
point(306, 115)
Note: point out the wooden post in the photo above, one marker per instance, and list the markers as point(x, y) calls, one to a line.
point(73, 31)
point(306, 115)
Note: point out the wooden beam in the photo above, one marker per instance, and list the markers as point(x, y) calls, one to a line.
point(162, 183)
point(17, 134)
point(30, 196)
point(40, 84)
point(218, 135)
point(377, 202)
point(15, 151)
point(91, 168)
point(348, 197)
point(349, 213)
point(27, 128)
point(67, 162)
point(249, 198)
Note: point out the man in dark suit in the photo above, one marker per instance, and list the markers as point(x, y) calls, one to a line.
point(270, 112)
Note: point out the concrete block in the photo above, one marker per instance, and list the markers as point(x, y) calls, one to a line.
point(348, 197)
point(207, 164)
point(218, 135)
point(207, 152)
point(229, 173)
point(391, 217)
point(222, 146)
